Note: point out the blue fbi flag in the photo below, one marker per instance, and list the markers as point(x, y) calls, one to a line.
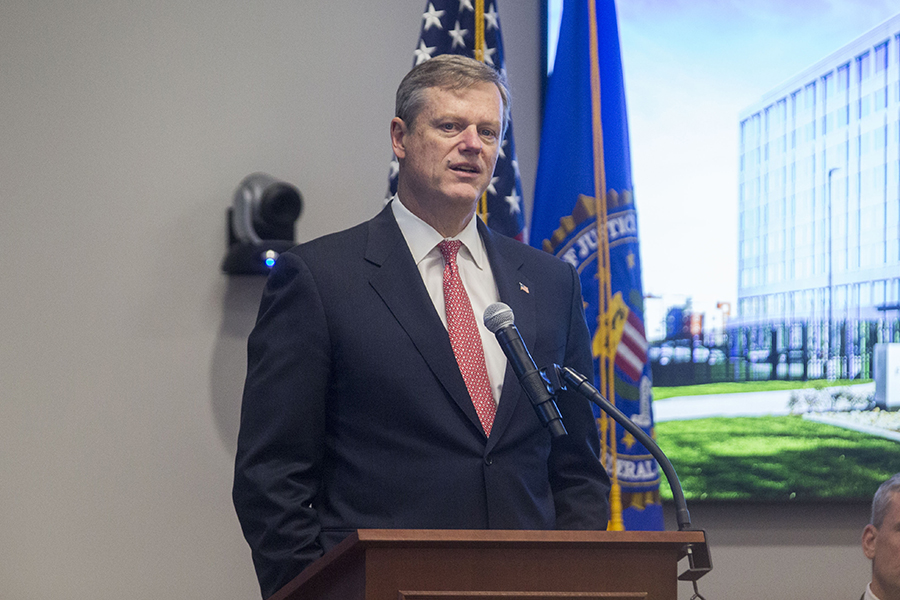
point(585, 149)
point(449, 27)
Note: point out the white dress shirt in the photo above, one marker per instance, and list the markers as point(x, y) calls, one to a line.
point(869, 595)
point(474, 270)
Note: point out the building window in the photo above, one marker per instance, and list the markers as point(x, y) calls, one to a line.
point(864, 106)
point(881, 57)
point(843, 77)
point(840, 297)
point(880, 98)
point(828, 85)
point(810, 98)
point(878, 293)
point(862, 67)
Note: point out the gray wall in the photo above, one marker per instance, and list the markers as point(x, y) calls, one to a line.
point(124, 128)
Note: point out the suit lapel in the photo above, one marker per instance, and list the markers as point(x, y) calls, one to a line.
point(514, 290)
point(396, 279)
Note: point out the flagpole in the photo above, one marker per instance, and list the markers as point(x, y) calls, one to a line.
point(479, 56)
point(479, 30)
point(606, 362)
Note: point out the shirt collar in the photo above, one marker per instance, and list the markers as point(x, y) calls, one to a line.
point(422, 238)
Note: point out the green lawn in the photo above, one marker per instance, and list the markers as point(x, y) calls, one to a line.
point(661, 393)
point(774, 458)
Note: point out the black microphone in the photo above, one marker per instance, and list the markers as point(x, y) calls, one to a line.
point(499, 320)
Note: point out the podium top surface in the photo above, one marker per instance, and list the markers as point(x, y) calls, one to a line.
point(363, 539)
point(489, 537)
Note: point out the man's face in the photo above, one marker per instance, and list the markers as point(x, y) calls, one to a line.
point(448, 153)
point(882, 546)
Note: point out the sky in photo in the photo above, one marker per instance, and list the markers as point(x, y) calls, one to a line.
point(691, 66)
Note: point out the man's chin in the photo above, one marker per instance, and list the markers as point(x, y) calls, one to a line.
point(460, 200)
point(466, 193)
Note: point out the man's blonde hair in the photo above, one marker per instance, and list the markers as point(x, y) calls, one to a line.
point(450, 72)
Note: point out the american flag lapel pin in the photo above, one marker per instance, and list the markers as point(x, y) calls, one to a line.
point(524, 288)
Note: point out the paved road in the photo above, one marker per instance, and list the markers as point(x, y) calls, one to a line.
point(747, 404)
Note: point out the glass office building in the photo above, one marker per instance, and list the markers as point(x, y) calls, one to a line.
point(819, 190)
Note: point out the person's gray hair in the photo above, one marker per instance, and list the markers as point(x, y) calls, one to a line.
point(882, 499)
point(449, 72)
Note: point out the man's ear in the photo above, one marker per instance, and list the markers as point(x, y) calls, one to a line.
point(868, 541)
point(398, 137)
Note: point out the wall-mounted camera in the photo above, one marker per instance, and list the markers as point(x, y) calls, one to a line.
point(260, 224)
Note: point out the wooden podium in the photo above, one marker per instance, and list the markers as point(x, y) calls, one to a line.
point(404, 564)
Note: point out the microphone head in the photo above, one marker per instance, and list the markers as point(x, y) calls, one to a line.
point(497, 316)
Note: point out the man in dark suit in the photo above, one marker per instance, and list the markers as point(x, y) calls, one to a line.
point(881, 542)
point(373, 398)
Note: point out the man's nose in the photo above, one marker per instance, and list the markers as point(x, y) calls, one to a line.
point(470, 140)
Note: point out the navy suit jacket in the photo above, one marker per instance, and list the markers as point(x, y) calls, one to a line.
point(355, 414)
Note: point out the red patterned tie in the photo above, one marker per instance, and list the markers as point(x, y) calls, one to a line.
point(464, 337)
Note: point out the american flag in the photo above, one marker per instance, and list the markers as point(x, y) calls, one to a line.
point(448, 27)
point(631, 355)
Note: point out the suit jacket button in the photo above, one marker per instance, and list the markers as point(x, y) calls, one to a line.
point(489, 460)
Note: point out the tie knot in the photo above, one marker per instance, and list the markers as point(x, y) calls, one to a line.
point(449, 249)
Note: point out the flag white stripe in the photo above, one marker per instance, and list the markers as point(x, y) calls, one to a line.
point(635, 336)
point(632, 359)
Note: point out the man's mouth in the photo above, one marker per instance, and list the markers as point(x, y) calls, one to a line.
point(465, 168)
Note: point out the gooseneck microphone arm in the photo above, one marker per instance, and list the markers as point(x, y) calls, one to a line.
point(699, 560)
point(580, 384)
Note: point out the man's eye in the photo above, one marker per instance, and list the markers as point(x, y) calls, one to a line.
point(489, 133)
point(448, 126)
